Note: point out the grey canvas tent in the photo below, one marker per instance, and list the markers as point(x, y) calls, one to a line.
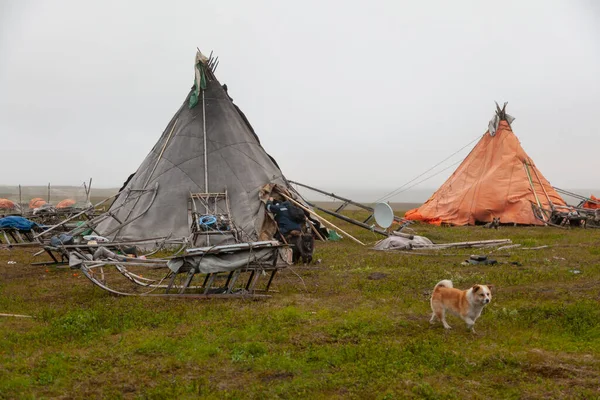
point(208, 147)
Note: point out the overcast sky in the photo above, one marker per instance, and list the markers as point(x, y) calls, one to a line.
point(343, 94)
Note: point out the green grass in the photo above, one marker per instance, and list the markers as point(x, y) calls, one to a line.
point(334, 333)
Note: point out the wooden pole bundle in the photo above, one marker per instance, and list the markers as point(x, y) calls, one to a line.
point(543, 188)
point(462, 245)
point(350, 220)
point(345, 200)
point(320, 218)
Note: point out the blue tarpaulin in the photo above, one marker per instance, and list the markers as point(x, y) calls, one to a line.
point(14, 222)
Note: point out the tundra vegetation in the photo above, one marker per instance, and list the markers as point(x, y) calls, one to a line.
point(355, 325)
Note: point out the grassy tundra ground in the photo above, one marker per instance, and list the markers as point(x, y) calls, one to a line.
point(334, 333)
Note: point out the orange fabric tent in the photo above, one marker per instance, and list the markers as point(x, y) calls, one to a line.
point(7, 204)
point(66, 203)
point(592, 204)
point(36, 202)
point(497, 179)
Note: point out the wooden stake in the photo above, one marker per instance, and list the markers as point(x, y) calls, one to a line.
point(15, 315)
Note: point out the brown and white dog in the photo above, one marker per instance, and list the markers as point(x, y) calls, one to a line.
point(467, 304)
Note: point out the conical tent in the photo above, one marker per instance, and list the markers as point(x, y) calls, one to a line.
point(496, 180)
point(155, 200)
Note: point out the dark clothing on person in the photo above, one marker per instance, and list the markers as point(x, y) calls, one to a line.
point(282, 216)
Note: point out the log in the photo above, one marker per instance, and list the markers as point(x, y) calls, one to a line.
point(510, 246)
point(534, 248)
point(480, 243)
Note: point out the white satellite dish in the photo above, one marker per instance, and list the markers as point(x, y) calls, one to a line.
point(384, 215)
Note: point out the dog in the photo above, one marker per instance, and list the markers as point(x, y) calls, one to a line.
point(303, 245)
point(467, 304)
point(494, 224)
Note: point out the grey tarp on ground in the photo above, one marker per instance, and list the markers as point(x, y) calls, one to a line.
point(401, 243)
point(211, 263)
point(236, 162)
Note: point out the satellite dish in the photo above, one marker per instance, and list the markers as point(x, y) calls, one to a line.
point(384, 215)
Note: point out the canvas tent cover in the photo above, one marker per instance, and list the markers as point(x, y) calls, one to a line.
point(237, 163)
point(497, 179)
point(593, 204)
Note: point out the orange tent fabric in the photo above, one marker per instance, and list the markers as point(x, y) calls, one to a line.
point(66, 203)
point(36, 202)
point(590, 205)
point(7, 204)
point(497, 179)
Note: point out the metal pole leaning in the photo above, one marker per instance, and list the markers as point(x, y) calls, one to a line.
point(321, 218)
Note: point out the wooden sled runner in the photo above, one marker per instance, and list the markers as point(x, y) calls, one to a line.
point(227, 271)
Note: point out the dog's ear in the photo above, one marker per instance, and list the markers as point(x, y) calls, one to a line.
point(492, 288)
point(476, 288)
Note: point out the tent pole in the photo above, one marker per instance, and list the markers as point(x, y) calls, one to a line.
point(149, 176)
point(577, 196)
point(160, 155)
point(335, 196)
point(321, 218)
point(88, 192)
point(205, 155)
point(533, 187)
point(543, 188)
point(350, 220)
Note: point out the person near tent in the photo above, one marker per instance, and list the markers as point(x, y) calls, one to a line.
point(284, 213)
point(289, 220)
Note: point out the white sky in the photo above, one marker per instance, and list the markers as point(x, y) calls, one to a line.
point(343, 94)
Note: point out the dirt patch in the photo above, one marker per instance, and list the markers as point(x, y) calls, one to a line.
point(550, 371)
point(276, 376)
point(375, 276)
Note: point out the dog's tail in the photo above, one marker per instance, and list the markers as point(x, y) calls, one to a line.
point(445, 283)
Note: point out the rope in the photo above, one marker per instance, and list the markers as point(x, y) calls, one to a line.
point(429, 177)
point(207, 220)
point(210, 223)
point(396, 191)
